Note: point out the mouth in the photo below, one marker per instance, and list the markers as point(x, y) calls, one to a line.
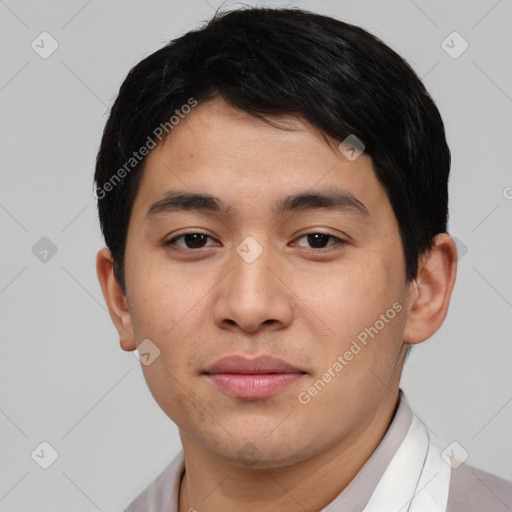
point(259, 377)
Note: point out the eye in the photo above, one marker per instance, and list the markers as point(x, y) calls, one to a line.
point(198, 240)
point(195, 240)
point(320, 240)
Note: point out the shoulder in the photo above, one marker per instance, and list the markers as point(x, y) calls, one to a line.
point(472, 489)
point(162, 493)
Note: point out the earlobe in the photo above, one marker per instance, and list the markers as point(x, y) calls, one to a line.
point(431, 290)
point(115, 299)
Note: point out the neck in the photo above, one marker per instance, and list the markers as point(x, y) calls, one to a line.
point(210, 485)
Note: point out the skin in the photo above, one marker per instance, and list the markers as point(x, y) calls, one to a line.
point(305, 305)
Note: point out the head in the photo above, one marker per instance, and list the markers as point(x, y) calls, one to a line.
point(275, 182)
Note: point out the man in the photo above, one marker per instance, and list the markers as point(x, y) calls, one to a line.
point(272, 189)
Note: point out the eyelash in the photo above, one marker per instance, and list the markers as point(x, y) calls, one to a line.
point(171, 243)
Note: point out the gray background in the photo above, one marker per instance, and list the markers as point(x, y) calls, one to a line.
point(64, 378)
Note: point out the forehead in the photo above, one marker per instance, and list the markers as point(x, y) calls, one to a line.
point(228, 153)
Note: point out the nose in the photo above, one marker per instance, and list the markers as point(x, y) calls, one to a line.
point(253, 296)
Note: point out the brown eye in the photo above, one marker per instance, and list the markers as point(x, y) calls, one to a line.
point(189, 241)
point(320, 240)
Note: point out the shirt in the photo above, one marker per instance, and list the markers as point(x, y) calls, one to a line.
point(470, 489)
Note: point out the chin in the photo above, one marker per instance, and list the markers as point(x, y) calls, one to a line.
point(257, 450)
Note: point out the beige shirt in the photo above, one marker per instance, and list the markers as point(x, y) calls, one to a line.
point(471, 489)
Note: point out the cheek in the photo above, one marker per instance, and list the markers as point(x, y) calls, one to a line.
point(361, 307)
point(162, 300)
point(170, 389)
point(355, 295)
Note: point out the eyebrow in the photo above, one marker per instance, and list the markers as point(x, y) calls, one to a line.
point(331, 199)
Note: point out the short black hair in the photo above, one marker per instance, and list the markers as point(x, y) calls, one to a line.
point(338, 77)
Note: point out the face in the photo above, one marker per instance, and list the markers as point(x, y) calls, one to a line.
point(268, 268)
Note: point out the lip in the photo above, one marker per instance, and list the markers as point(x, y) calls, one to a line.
point(252, 378)
point(255, 365)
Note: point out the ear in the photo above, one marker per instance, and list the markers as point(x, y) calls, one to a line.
point(115, 299)
point(431, 290)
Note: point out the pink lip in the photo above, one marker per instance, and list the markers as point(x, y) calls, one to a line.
point(252, 378)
